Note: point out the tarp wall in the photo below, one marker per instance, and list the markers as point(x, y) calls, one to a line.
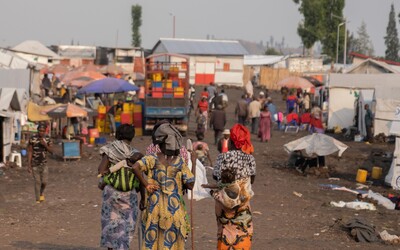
point(341, 108)
point(387, 100)
point(15, 78)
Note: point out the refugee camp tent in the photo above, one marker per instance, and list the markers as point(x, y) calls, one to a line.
point(387, 101)
point(344, 90)
point(393, 176)
point(12, 116)
point(366, 96)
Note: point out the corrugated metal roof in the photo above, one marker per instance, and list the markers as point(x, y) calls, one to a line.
point(201, 47)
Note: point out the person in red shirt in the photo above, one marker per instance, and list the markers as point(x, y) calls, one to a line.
point(204, 92)
point(202, 106)
point(292, 118)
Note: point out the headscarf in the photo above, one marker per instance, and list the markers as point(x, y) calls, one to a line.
point(167, 134)
point(117, 151)
point(240, 136)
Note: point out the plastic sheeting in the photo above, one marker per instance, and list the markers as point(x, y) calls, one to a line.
point(201, 178)
point(316, 144)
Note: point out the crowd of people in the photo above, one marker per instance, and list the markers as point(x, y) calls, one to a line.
point(258, 112)
point(162, 176)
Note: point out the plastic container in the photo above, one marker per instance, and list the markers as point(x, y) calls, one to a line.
point(376, 173)
point(138, 131)
point(100, 140)
point(101, 109)
point(126, 107)
point(23, 152)
point(91, 140)
point(361, 175)
point(94, 132)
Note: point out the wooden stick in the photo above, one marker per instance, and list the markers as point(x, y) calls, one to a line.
point(193, 157)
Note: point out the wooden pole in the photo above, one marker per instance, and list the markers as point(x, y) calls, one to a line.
point(189, 147)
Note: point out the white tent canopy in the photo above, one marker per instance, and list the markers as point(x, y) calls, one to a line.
point(343, 91)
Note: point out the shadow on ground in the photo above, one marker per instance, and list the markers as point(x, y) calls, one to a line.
point(47, 246)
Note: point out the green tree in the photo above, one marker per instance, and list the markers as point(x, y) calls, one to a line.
point(331, 10)
point(273, 51)
point(391, 38)
point(362, 43)
point(308, 28)
point(320, 23)
point(136, 13)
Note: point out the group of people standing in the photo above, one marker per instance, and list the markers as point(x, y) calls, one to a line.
point(162, 176)
point(259, 112)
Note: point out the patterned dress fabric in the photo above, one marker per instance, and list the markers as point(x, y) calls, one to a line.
point(119, 209)
point(39, 151)
point(118, 218)
point(242, 164)
point(232, 206)
point(165, 222)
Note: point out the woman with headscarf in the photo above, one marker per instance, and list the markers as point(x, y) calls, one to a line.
point(232, 206)
point(165, 222)
point(119, 209)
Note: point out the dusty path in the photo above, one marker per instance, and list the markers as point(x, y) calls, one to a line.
point(70, 217)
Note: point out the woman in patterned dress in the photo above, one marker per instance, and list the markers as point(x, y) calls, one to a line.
point(234, 219)
point(165, 221)
point(119, 209)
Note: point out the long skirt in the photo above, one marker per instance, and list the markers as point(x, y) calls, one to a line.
point(264, 131)
point(235, 227)
point(118, 218)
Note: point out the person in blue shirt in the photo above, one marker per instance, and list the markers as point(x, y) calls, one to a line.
point(272, 109)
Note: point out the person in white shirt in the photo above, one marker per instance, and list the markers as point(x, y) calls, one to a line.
point(254, 114)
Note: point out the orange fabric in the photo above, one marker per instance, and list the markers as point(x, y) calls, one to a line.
point(244, 244)
point(224, 146)
point(240, 136)
point(141, 92)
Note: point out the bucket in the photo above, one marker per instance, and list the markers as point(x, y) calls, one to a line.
point(91, 140)
point(361, 175)
point(23, 152)
point(376, 173)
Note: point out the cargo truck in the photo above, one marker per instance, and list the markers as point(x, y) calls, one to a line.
point(166, 91)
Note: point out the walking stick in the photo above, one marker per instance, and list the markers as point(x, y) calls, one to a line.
point(189, 147)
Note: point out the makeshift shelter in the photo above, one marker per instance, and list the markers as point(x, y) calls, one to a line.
point(12, 117)
point(366, 96)
point(36, 113)
point(344, 91)
point(393, 176)
point(316, 145)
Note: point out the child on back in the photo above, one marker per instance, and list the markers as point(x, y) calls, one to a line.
point(227, 178)
point(116, 172)
point(229, 191)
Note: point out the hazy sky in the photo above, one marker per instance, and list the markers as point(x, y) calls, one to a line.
point(97, 22)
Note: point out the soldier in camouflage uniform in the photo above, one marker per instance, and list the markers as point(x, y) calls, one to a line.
point(39, 145)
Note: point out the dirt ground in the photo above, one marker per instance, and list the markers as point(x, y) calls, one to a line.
point(70, 216)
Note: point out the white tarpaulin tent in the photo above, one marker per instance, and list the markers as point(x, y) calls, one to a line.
point(342, 89)
point(393, 176)
point(366, 96)
point(316, 145)
point(13, 103)
point(387, 100)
